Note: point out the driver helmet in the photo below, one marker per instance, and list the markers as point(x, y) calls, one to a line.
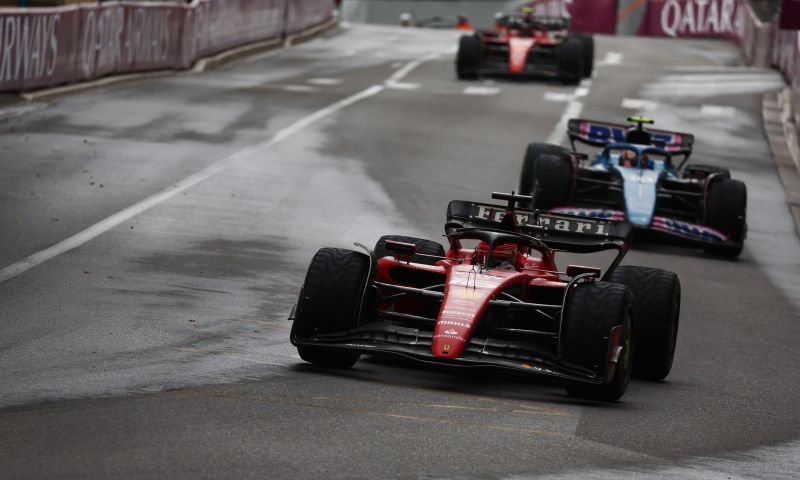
point(628, 158)
point(503, 256)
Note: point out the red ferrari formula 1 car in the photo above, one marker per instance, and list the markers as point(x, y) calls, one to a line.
point(524, 45)
point(495, 299)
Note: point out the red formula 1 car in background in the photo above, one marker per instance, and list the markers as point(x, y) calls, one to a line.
point(495, 299)
point(525, 45)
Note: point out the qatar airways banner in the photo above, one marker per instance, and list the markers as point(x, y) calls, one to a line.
point(50, 46)
point(693, 18)
point(593, 16)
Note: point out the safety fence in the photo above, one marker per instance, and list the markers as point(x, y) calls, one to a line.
point(786, 57)
point(45, 47)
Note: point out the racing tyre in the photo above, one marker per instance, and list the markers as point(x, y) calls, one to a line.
point(427, 247)
point(330, 301)
point(656, 313)
point(570, 60)
point(726, 211)
point(551, 179)
point(468, 57)
point(703, 171)
point(588, 53)
point(534, 151)
point(594, 309)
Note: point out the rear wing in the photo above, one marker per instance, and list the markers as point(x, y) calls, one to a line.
point(600, 134)
point(558, 231)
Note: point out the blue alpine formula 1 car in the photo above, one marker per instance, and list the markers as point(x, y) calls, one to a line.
point(634, 178)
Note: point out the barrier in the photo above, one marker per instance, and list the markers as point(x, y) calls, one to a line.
point(45, 47)
point(690, 18)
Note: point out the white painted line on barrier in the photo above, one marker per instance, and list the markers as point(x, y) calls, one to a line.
point(639, 104)
point(486, 91)
point(611, 58)
point(718, 111)
point(108, 223)
point(126, 214)
point(325, 81)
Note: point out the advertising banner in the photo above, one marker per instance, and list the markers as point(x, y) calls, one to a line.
point(42, 47)
point(693, 18)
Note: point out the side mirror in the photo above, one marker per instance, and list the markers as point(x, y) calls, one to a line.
point(401, 248)
point(575, 270)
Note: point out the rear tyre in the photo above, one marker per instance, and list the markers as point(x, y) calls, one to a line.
point(427, 247)
point(701, 172)
point(656, 314)
point(570, 60)
point(594, 309)
point(726, 211)
point(330, 302)
point(469, 57)
point(588, 53)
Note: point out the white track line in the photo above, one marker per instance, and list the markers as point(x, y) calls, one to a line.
point(559, 134)
point(108, 223)
point(481, 91)
point(718, 111)
point(394, 81)
point(639, 104)
point(611, 58)
point(573, 110)
point(325, 81)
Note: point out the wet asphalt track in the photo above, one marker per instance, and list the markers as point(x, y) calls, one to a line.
point(159, 347)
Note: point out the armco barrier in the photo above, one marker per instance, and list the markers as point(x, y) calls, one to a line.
point(786, 57)
point(50, 46)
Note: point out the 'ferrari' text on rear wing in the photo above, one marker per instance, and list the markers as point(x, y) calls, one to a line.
point(554, 229)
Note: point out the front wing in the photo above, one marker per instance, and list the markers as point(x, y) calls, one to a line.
point(384, 338)
point(501, 69)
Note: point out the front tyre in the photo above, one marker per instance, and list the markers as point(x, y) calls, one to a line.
point(549, 178)
point(594, 310)
point(330, 302)
point(469, 57)
point(656, 314)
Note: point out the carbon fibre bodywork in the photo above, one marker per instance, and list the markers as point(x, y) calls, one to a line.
point(498, 304)
point(650, 193)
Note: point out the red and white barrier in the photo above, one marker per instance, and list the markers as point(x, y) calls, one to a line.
point(50, 46)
